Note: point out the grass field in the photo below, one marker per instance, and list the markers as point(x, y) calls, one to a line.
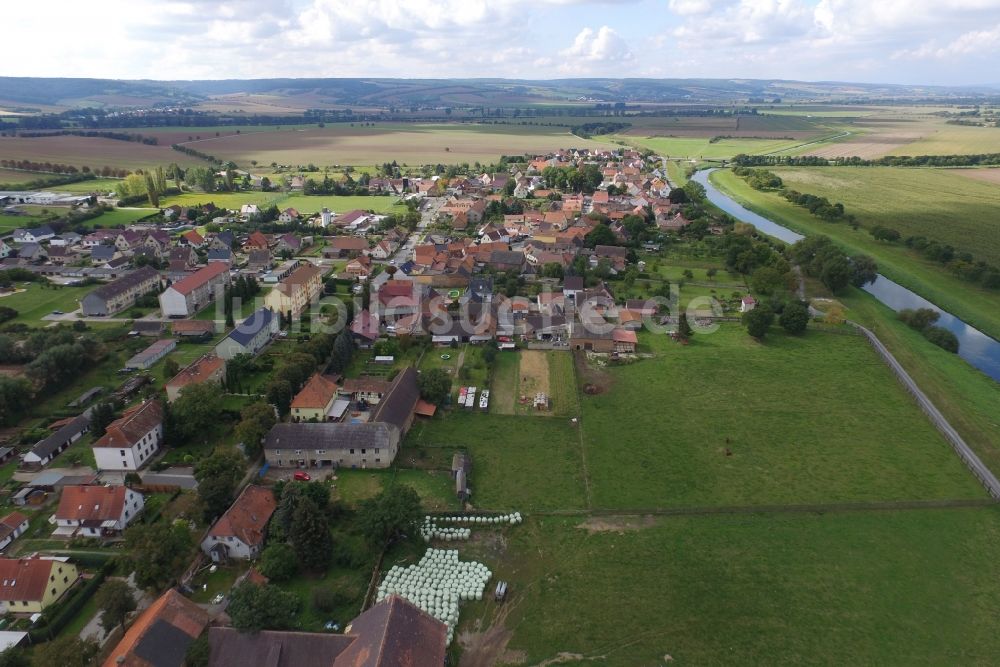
point(517, 463)
point(93, 152)
point(413, 144)
point(36, 302)
point(704, 148)
point(895, 132)
point(975, 305)
point(731, 426)
point(94, 185)
point(942, 204)
point(861, 588)
point(305, 205)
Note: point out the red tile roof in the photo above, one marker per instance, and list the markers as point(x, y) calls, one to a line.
point(24, 578)
point(200, 277)
point(91, 503)
point(247, 517)
point(10, 523)
point(133, 425)
point(200, 370)
point(317, 393)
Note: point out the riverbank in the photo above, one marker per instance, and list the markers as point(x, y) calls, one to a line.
point(974, 305)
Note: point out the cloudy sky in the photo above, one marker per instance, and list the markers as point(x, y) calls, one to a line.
point(890, 41)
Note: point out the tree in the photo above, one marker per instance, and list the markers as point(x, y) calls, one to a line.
point(256, 421)
point(154, 196)
point(766, 280)
point(14, 657)
point(794, 317)
point(115, 600)
point(600, 235)
point(392, 513)
point(684, 331)
point(918, 319)
point(865, 270)
point(278, 563)
point(216, 495)
point(66, 651)
point(170, 368)
point(310, 536)
point(836, 274)
point(197, 410)
point(435, 385)
point(159, 551)
point(217, 477)
point(711, 273)
point(678, 196)
point(942, 338)
point(198, 652)
point(101, 417)
point(253, 608)
point(758, 320)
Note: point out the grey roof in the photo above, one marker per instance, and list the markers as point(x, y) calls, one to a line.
point(163, 645)
point(102, 252)
point(573, 283)
point(50, 444)
point(126, 282)
point(275, 649)
point(248, 329)
point(219, 254)
point(396, 406)
point(327, 435)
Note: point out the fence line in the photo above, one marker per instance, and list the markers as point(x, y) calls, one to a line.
point(969, 457)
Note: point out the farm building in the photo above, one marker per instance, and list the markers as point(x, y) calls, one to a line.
point(325, 445)
point(129, 442)
point(617, 340)
point(120, 294)
point(152, 354)
point(95, 511)
point(249, 336)
point(392, 632)
point(161, 635)
point(207, 368)
point(345, 247)
point(239, 533)
point(193, 328)
point(47, 449)
point(32, 584)
point(192, 293)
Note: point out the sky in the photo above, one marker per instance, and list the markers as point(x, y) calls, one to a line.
point(942, 42)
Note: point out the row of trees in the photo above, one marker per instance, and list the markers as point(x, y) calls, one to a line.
point(980, 159)
point(923, 320)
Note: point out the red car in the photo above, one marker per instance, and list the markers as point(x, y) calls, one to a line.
point(301, 476)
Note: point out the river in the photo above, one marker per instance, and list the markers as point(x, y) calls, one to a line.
point(975, 347)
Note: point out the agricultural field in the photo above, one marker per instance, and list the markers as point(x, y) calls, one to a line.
point(973, 304)
point(760, 589)
point(86, 187)
point(891, 133)
point(518, 376)
point(93, 152)
point(946, 205)
point(705, 148)
point(14, 177)
point(339, 144)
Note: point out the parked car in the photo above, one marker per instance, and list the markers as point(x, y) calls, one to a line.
point(301, 476)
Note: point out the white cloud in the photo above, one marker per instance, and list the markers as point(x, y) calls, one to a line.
point(603, 48)
point(974, 42)
point(690, 7)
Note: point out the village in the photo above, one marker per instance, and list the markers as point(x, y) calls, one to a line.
point(261, 357)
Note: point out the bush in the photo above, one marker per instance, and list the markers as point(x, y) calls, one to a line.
point(942, 338)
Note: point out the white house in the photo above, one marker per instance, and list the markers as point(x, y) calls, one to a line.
point(48, 448)
point(192, 293)
point(747, 304)
point(35, 235)
point(240, 532)
point(96, 511)
point(4, 250)
point(382, 251)
point(248, 210)
point(129, 442)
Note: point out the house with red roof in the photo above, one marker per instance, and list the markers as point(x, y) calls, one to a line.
point(192, 239)
point(95, 511)
point(129, 442)
point(29, 585)
point(207, 368)
point(240, 532)
point(315, 400)
point(12, 526)
point(192, 293)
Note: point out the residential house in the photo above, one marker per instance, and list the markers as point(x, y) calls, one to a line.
point(365, 389)
point(120, 294)
point(161, 635)
point(248, 211)
point(48, 448)
point(129, 442)
point(341, 247)
point(315, 401)
point(359, 268)
point(100, 254)
point(223, 255)
point(256, 241)
point(392, 633)
point(33, 235)
point(288, 243)
point(191, 239)
point(12, 526)
point(239, 533)
point(382, 251)
point(5, 250)
point(30, 585)
point(250, 336)
point(364, 329)
point(32, 253)
point(287, 216)
point(96, 511)
point(293, 294)
point(189, 295)
point(182, 259)
point(207, 368)
point(259, 260)
point(747, 304)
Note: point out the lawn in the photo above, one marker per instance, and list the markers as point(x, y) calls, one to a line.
point(975, 305)
point(730, 421)
point(874, 588)
point(305, 205)
point(36, 301)
point(518, 464)
point(562, 384)
point(433, 486)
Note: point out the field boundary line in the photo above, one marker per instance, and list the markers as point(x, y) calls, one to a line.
point(579, 431)
point(814, 508)
point(958, 444)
